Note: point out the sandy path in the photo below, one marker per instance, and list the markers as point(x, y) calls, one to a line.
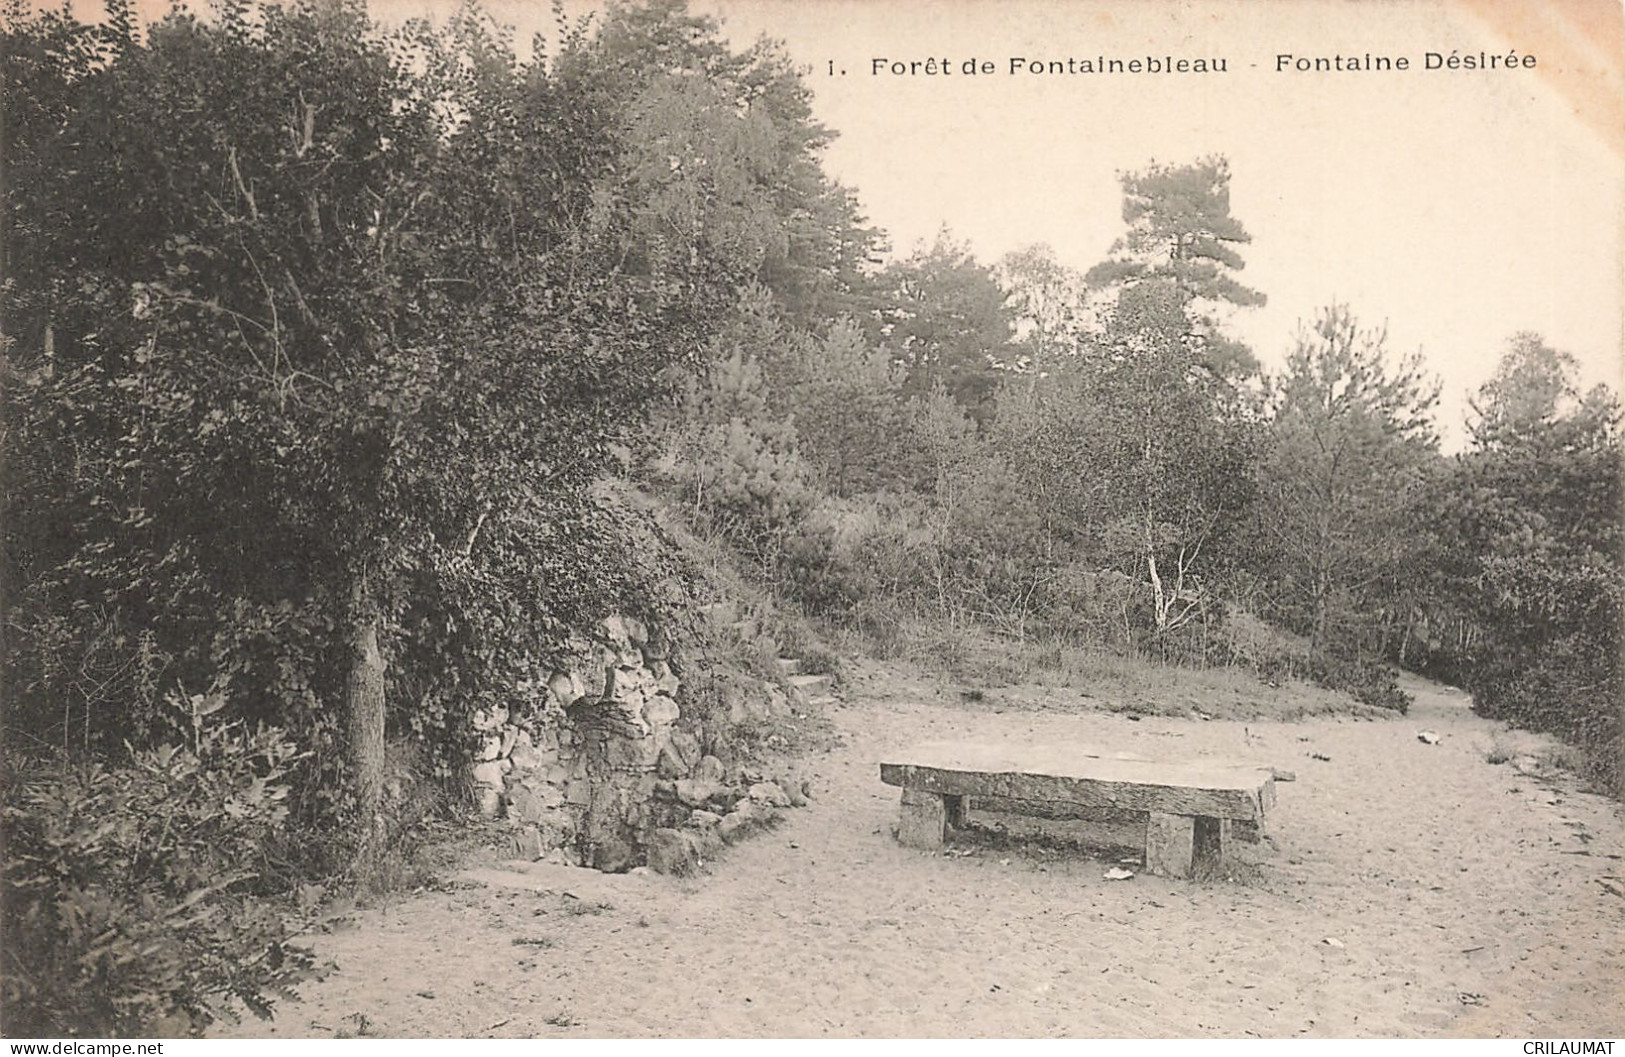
point(1441, 875)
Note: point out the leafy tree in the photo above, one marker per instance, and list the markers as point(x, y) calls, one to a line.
point(689, 103)
point(318, 333)
point(1046, 300)
point(734, 452)
point(943, 321)
point(849, 415)
point(1180, 232)
point(1138, 456)
point(1533, 525)
point(1350, 443)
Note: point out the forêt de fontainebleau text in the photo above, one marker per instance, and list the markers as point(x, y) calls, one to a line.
point(1282, 62)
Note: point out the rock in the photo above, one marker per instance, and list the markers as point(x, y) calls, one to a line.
point(525, 757)
point(490, 802)
point(528, 844)
point(657, 647)
point(768, 793)
point(565, 687)
point(669, 764)
point(1427, 737)
point(490, 773)
point(532, 805)
point(631, 754)
point(616, 631)
point(743, 818)
point(563, 856)
point(707, 842)
point(778, 704)
point(668, 683)
point(491, 747)
point(702, 819)
point(687, 748)
point(672, 852)
point(730, 796)
point(487, 719)
point(696, 792)
point(636, 631)
point(793, 791)
point(612, 856)
point(660, 711)
point(733, 826)
point(709, 770)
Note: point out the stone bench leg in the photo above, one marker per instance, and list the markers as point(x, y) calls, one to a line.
point(924, 817)
point(1175, 845)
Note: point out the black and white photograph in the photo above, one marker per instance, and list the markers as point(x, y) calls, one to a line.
point(812, 519)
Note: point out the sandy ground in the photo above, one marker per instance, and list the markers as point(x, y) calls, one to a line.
point(1405, 890)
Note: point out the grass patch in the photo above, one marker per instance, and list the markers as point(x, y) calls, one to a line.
point(991, 672)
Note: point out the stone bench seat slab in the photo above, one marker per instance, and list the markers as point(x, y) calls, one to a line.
point(1190, 806)
point(1087, 776)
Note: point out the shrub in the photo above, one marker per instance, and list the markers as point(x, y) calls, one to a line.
point(1568, 690)
point(134, 895)
point(813, 574)
point(1274, 654)
point(1368, 682)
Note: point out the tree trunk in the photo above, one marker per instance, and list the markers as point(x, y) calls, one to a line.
point(364, 708)
point(1317, 635)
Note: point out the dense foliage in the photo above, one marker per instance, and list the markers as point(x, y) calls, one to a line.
point(131, 893)
point(1533, 531)
point(316, 338)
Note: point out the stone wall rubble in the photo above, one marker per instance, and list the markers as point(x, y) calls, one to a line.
point(610, 773)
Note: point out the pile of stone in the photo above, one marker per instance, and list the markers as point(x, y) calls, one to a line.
point(602, 774)
point(717, 813)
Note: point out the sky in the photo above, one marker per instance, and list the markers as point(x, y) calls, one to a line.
point(1456, 207)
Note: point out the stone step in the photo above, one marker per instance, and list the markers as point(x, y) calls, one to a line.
point(811, 686)
point(789, 665)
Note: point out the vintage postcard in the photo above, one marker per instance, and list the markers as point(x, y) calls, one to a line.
point(815, 519)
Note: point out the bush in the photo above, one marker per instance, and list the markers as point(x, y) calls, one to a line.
point(134, 901)
point(1571, 689)
point(1368, 682)
point(814, 574)
point(1274, 654)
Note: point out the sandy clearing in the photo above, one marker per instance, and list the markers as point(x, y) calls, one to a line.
point(1465, 895)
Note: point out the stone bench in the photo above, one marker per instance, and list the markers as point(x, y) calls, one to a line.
point(1190, 807)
